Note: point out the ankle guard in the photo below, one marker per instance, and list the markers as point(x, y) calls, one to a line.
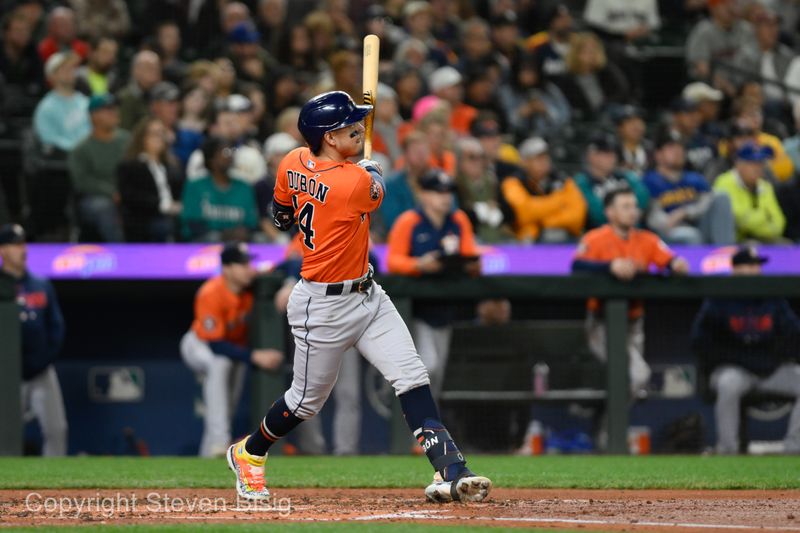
point(438, 445)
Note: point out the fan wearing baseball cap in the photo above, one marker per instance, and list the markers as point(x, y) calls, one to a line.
point(547, 206)
point(745, 345)
point(602, 175)
point(755, 207)
point(60, 118)
point(93, 170)
point(708, 101)
point(683, 209)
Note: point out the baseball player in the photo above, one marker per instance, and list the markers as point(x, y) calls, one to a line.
point(337, 305)
point(215, 347)
point(621, 249)
point(42, 336)
point(420, 243)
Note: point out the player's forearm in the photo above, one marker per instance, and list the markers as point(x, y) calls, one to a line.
point(404, 265)
point(230, 350)
point(282, 215)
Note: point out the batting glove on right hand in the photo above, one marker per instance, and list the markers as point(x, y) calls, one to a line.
point(371, 165)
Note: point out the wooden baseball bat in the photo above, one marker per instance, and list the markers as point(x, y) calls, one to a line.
point(372, 46)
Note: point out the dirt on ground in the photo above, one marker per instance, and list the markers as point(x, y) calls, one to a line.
point(590, 510)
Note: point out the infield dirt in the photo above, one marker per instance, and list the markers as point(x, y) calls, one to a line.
point(590, 510)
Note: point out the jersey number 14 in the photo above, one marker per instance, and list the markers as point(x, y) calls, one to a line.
point(305, 221)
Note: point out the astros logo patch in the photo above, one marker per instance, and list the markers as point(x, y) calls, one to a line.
point(209, 323)
point(374, 190)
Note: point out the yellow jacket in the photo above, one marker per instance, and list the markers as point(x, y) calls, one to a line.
point(562, 208)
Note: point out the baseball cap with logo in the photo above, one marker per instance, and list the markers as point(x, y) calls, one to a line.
point(755, 153)
point(748, 255)
point(436, 180)
point(236, 253)
point(101, 101)
point(244, 33)
point(11, 234)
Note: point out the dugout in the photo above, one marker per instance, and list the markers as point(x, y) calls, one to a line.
point(137, 324)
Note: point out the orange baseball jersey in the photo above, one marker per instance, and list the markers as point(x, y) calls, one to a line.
point(643, 247)
point(221, 315)
point(332, 202)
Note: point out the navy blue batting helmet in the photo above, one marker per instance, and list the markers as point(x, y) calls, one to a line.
point(326, 112)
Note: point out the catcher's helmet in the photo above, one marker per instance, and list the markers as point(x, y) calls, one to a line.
point(326, 112)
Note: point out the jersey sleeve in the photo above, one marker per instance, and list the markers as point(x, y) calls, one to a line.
point(367, 193)
point(281, 193)
point(468, 246)
point(399, 259)
point(209, 317)
point(660, 254)
point(588, 249)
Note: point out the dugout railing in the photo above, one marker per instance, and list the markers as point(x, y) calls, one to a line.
point(578, 287)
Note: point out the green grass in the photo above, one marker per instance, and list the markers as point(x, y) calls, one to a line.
point(597, 472)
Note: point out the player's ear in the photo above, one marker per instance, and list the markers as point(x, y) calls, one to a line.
point(329, 138)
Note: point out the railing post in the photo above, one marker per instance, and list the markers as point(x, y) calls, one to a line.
point(10, 371)
point(267, 331)
point(617, 404)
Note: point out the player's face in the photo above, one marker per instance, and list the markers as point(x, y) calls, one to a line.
point(14, 256)
point(242, 274)
point(440, 203)
point(624, 212)
point(348, 141)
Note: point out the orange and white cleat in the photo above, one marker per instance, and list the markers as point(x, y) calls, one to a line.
point(249, 470)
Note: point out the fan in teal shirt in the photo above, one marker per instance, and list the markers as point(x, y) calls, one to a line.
point(217, 203)
point(601, 175)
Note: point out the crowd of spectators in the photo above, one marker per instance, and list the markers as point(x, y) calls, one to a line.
point(147, 121)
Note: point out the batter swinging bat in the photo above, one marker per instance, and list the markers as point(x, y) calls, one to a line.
point(372, 46)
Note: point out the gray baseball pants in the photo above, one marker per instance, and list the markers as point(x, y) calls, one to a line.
point(733, 382)
point(325, 327)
